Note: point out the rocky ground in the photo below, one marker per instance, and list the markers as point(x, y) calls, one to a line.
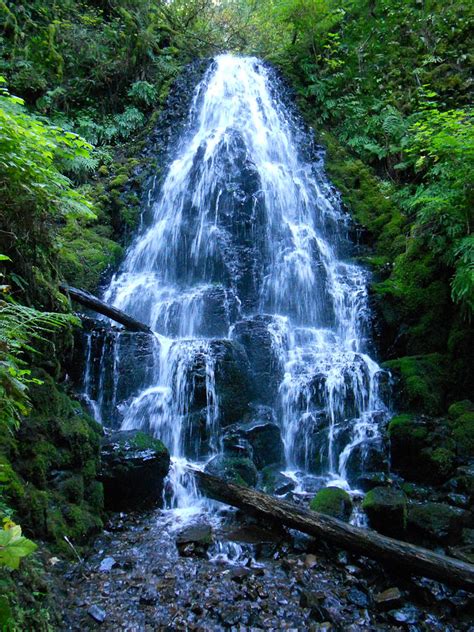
point(152, 572)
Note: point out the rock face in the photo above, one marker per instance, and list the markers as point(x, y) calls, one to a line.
point(134, 466)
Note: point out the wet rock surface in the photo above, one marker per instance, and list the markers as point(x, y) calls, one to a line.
point(276, 583)
point(134, 466)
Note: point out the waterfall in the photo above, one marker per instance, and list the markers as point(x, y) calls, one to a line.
point(261, 318)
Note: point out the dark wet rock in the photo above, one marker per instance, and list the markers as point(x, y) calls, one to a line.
point(97, 614)
point(240, 573)
point(386, 509)
point(134, 466)
point(369, 480)
point(254, 335)
point(233, 384)
point(194, 540)
point(315, 602)
point(387, 599)
point(358, 598)
point(333, 501)
point(238, 470)
point(275, 482)
point(436, 521)
point(261, 434)
point(408, 615)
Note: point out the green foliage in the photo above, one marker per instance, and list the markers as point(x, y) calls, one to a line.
point(13, 545)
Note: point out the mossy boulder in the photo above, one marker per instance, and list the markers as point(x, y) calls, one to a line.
point(386, 509)
point(422, 382)
point(460, 408)
point(134, 467)
point(53, 466)
point(240, 470)
point(333, 501)
point(463, 434)
point(436, 522)
point(408, 437)
point(273, 481)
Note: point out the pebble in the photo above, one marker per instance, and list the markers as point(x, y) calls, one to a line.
point(388, 598)
point(107, 564)
point(97, 613)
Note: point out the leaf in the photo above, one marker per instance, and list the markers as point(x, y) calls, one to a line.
point(14, 546)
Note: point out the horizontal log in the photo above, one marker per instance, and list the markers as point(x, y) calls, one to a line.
point(413, 559)
point(92, 302)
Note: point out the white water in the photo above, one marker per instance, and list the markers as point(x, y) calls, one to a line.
point(243, 225)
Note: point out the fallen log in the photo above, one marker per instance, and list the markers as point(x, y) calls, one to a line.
point(408, 557)
point(94, 303)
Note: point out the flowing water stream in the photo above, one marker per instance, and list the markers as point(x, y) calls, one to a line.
point(261, 318)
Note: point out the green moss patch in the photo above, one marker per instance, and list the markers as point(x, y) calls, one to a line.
point(333, 501)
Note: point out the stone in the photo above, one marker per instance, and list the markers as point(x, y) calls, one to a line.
point(386, 509)
point(261, 434)
point(194, 540)
point(387, 599)
point(408, 615)
point(333, 501)
point(369, 480)
point(436, 521)
point(134, 466)
point(358, 598)
point(97, 613)
point(238, 470)
point(107, 564)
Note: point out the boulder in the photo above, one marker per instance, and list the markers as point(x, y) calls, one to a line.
point(436, 522)
point(240, 470)
point(260, 438)
point(134, 466)
point(408, 437)
point(386, 509)
point(333, 501)
point(275, 482)
point(194, 540)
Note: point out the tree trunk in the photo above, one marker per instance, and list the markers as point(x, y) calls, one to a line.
point(409, 557)
point(92, 302)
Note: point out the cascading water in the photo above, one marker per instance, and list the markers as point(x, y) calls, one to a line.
point(261, 318)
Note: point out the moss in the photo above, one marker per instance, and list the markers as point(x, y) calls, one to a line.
point(333, 501)
point(422, 381)
point(369, 198)
point(463, 433)
point(143, 441)
point(435, 520)
point(405, 426)
point(85, 254)
point(459, 408)
point(240, 470)
point(53, 468)
point(440, 463)
point(119, 181)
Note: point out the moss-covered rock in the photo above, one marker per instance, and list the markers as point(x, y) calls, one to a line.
point(421, 382)
point(240, 470)
point(459, 408)
point(333, 501)
point(53, 467)
point(437, 522)
point(463, 434)
point(134, 467)
point(386, 509)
